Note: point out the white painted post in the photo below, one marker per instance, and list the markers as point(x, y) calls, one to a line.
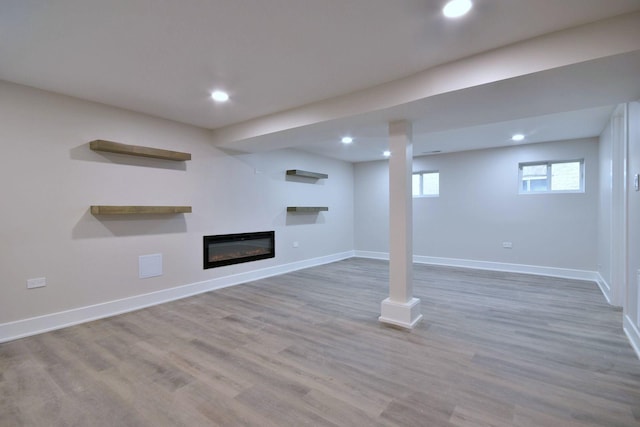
point(401, 308)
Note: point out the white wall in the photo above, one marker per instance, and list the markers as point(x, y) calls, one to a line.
point(612, 208)
point(605, 210)
point(632, 301)
point(479, 208)
point(50, 178)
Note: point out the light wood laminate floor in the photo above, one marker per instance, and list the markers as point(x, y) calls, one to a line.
point(306, 349)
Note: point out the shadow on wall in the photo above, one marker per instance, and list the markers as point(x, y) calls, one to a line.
point(303, 180)
point(83, 152)
point(90, 226)
point(304, 218)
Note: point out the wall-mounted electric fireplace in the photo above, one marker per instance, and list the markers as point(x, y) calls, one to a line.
point(227, 249)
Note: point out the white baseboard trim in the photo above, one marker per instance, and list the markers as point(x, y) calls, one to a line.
point(565, 273)
point(632, 333)
point(22, 328)
point(372, 255)
point(405, 315)
point(604, 287)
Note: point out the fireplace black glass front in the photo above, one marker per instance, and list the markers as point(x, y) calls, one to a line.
point(227, 249)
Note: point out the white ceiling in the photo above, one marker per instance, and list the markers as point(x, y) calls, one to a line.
point(372, 141)
point(164, 57)
point(569, 102)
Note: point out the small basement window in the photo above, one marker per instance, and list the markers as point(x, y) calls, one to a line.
point(426, 184)
point(552, 177)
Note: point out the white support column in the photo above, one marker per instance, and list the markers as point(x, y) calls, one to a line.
point(401, 308)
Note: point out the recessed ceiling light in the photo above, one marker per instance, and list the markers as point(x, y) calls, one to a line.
point(219, 96)
point(386, 153)
point(517, 137)
point(347, 140)
point(457, 8)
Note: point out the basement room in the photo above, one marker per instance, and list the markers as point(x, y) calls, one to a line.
point(285, 213)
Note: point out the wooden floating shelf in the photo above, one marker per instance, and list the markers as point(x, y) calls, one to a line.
point(307, 209)
point(136, 150)
point(307, 174)
point(139, 210)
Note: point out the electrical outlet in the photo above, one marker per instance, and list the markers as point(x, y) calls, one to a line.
point(38, 282)
point(507, 245)
point(296, 244)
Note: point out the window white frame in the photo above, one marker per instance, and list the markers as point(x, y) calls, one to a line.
point(422, 190)
point(525, 184)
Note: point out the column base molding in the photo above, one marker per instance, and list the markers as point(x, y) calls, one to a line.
point(405, 315)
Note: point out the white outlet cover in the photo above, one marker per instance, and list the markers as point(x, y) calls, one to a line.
point(150, 266)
